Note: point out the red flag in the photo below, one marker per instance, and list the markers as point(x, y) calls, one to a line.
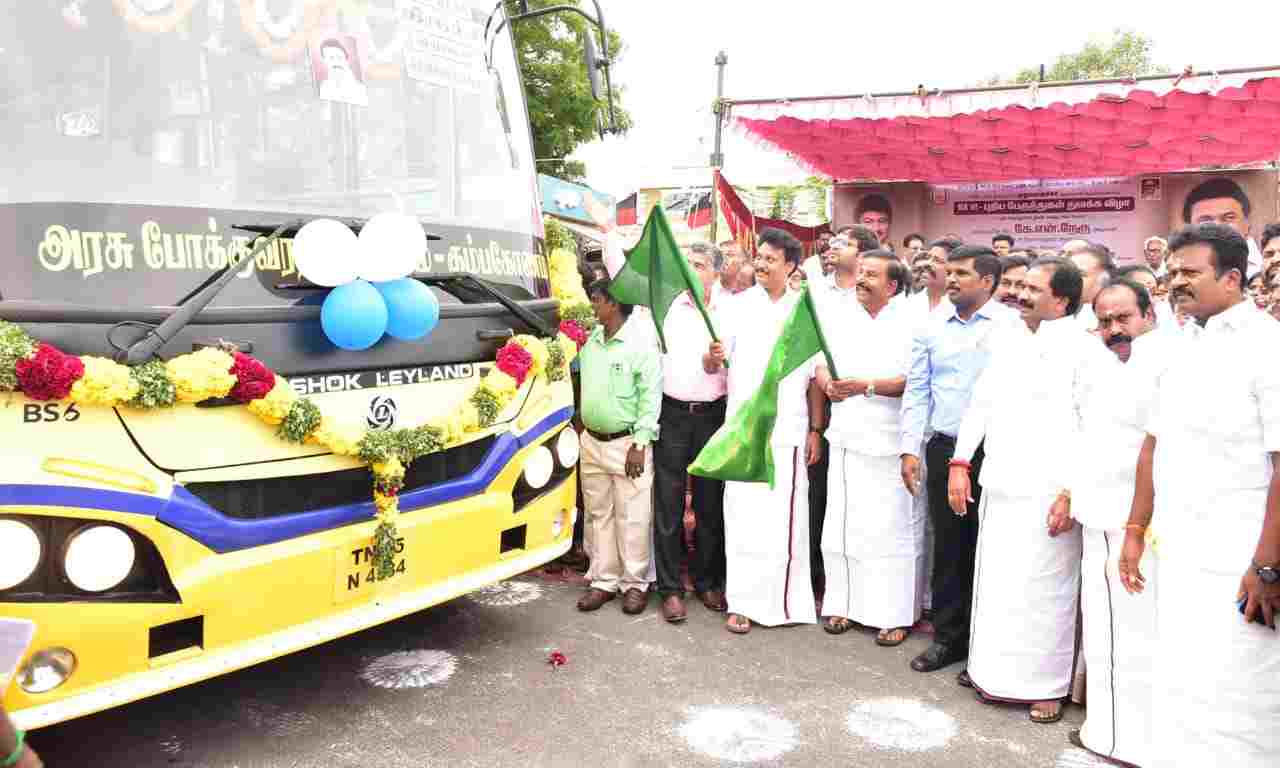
point(627, 210)
point(699, 211)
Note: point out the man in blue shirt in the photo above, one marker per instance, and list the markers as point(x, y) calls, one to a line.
point(946, 358)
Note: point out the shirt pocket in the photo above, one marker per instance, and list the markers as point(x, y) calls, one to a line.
point(622, 381)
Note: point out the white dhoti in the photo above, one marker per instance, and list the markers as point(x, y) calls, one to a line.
point(1216, 681)
point(1025, 591)
point(1119, 641)
point(872, 542)
point(766, 541)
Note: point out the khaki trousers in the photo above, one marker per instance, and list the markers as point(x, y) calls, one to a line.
point(619, 515)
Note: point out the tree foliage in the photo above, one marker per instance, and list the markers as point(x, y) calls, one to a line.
point(562, 113)
point(782, 201)
point(818, 188)
point(1126, 53)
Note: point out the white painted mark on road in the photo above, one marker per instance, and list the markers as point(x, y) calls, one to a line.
point(507, 593)
point(410, 669)
point(902, 724)
point(1079, 758)
point(171, 746)
point(739, 734)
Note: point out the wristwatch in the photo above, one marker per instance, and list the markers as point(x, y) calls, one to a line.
point(1266, 574)
point(871, 388)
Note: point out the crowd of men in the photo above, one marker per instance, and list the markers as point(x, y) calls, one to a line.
point(1016, 441)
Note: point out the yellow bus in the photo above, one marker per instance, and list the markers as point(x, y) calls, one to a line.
point(149, 148)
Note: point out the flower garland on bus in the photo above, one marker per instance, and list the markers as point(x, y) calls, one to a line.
point(41, 371)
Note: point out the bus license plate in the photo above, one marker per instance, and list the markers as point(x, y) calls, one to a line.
point(357, 576)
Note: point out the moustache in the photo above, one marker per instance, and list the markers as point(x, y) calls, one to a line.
point(1026, 304)
point(1118, 339)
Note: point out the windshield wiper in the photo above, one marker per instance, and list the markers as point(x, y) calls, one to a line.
point(145, 348)
point(449, 280)
point(464, 286)
point(190, 305)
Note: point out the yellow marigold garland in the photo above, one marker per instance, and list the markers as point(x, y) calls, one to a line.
point(202, 375)
point(105, 383)
point(208, 373)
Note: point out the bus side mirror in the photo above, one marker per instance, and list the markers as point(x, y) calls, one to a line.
point(592, 60)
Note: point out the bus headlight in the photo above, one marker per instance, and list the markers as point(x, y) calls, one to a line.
point(538, 467)
point(46, 670)
point(20, 552)
point(567, 447)
point(98, 558)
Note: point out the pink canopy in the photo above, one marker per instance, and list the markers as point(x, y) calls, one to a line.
point(1038, 131)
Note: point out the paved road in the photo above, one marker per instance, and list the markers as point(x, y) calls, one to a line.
point(468, 684)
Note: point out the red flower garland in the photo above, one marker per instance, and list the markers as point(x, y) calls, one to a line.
point(253, 379)
point(574, 331)
point(48, 374)
point(515, 361)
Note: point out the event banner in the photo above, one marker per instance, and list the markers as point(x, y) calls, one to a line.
point(1040, 213)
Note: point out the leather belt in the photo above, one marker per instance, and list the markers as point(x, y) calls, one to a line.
point(692, 406)
point(605, 438)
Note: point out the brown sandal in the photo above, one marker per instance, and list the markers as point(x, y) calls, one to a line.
point(837, 625)
point(883, 637)
point(1045, 719)
point(737, 624)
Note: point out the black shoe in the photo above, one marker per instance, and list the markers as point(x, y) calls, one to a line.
point(963, 680)
point(937, 656)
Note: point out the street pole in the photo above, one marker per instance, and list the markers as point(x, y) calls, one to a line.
point(717, 157)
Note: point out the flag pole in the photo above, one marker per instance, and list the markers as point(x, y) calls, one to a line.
point(822, 337)
point(717, 157)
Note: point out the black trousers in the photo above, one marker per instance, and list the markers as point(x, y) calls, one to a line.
point(955, 545)
point(681, 435)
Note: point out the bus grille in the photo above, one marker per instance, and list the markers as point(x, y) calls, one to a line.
point(270, 497)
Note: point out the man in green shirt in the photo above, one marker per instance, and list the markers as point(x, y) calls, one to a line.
point(621, 397)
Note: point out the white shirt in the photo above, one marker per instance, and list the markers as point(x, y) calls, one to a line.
point(1086, 317)
point(866, 347)
point(688, 339)
point(1217, 410)
point(749, 327)
point(1024, 406)
point(1114, 406)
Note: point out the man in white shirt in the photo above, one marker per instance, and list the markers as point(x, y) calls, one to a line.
point(872, 544)
point(767, 529)
point(1026, 584)
point(838, 288)
point(1013, 275)
point(1119, 629)
point(1095, 261)
point(693, 408)
point(1154, 249)
point(1211, 456)
point(1145, 277)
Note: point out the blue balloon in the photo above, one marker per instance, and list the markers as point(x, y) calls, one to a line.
point(412, 309)
point(354, 316)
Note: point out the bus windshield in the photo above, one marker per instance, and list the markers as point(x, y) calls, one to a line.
point(338, 108)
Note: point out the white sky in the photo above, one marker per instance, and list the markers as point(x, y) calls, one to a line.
point(823, 47)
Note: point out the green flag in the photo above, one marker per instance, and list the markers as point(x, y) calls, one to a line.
point(740, 450)
point(656, 273)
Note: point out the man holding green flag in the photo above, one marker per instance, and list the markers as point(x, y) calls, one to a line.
point(773, 339)
point(656, 273)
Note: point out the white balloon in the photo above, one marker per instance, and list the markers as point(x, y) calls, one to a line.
point(326, 252)
point(390, 244)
